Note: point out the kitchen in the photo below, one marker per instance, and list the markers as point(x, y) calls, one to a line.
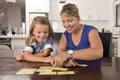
point(94, 12)
point(103, 14)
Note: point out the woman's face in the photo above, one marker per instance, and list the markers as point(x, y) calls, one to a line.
point(70, 23)
point(41, 32)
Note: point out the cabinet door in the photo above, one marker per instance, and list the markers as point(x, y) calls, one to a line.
point(88, 9)
point(18, 45)
point(93, 9)
point(37, 5)
point(18, 49)
point(118, 47)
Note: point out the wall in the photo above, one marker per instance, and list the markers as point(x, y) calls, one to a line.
point(14, 17)
point(93, 12)
point(3, 21)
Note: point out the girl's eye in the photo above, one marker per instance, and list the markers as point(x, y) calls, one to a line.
point(45, 32)
point(38, 32)
point(63, 21)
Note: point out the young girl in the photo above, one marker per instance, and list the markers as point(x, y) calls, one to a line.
point(39, 41)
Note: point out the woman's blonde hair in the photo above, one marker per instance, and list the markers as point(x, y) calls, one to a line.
point(38, 20)
point(70, 9)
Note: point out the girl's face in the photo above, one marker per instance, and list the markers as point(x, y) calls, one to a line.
point(41, 32)
point(70, 23)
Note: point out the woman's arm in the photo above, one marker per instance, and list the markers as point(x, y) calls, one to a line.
point(62, 54)
point(94, 52)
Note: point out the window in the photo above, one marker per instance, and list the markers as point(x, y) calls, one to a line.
point(118, 15)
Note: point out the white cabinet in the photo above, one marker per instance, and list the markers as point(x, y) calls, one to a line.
point(18, 45)
point(36, 6)
point(118, 47)
point(92, 9)
point(57, 26)
point(117, 2)
point(93, 12)
point(88, 9)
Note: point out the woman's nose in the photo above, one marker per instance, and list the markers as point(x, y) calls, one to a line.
point(66, 24)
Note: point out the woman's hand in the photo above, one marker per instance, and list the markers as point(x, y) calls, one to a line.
point(70, 63)
point(58, 60)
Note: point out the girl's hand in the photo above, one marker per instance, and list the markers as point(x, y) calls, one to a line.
point(70, 63)
point(48, 59)
point(20, 57)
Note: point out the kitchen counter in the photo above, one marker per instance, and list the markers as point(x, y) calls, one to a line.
point(12, 36)
point(15, 42)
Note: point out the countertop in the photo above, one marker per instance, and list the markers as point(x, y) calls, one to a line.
point(12, 36)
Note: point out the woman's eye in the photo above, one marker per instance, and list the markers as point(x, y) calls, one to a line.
point(70, 20)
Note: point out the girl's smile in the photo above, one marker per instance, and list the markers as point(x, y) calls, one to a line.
point(41, 32)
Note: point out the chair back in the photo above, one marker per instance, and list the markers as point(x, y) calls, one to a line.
point(106, 39)
point(5, 51)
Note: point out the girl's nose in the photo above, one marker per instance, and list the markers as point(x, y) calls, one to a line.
point(42, 34)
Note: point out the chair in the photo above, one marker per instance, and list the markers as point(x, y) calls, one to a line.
point(106, 39)
point(5, 51)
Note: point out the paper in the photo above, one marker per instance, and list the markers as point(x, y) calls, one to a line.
point(66, 73)
point(44, 69)
point(60, 69)
point(47, 73)
point(50, 69)
point(83, 65)
point(27, 71)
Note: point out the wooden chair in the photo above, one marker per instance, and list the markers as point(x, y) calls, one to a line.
point(5, 51)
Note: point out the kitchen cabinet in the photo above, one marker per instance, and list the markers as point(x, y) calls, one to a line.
point(35, 6)
point(15, 42)
point(116, 45)
point(88, 9)
point(57, 26)
point(93, 12)
point(92, 9)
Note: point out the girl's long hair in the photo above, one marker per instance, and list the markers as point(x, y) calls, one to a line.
point(38, 20)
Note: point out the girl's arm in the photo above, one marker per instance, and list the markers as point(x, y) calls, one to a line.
point(45, 53)
point(28, 56)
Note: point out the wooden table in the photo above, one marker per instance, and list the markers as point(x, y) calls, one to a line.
point(110, 70)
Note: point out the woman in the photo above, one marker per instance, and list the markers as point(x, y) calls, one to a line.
point(80, 43)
